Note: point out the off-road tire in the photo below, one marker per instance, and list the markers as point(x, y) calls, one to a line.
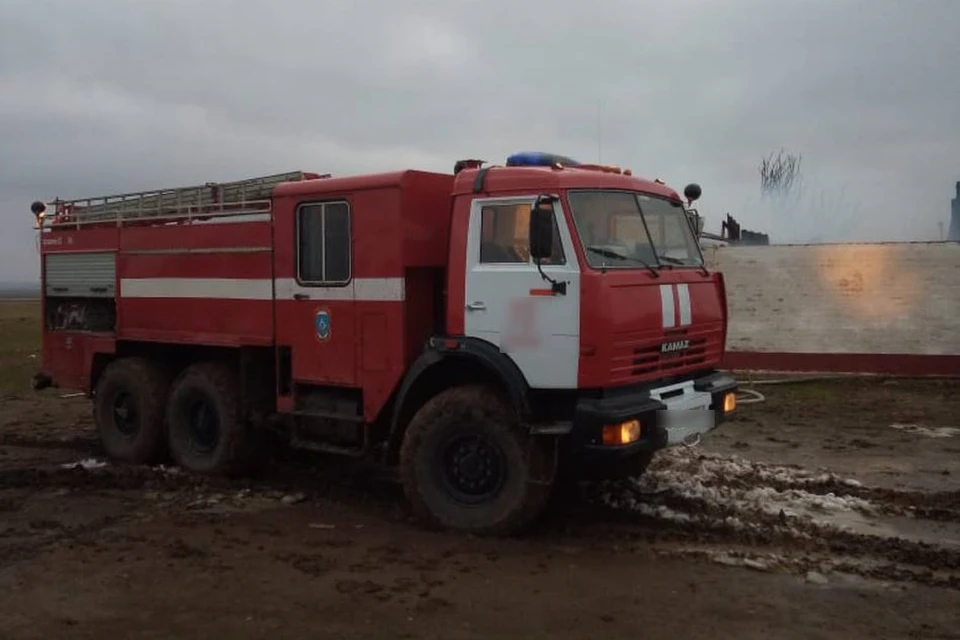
point(530, 464)
point(215, 385)
point(146, 384)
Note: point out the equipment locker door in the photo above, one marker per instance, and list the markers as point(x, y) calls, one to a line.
point(509, 304)
point(316, 307)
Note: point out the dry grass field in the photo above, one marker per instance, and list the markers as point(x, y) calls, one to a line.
point(19, 344)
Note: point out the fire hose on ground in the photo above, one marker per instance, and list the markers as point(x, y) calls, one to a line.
point(748, 395)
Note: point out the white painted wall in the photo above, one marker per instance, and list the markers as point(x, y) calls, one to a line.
point(901, 298)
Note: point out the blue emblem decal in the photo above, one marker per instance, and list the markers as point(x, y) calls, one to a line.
point(321, 324)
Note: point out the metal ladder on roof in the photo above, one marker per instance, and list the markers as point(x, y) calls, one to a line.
point(182, 204)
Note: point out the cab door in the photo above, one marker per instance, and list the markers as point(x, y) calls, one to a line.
point(510, 305)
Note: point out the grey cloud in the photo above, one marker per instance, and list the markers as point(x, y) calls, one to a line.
point(113, 95)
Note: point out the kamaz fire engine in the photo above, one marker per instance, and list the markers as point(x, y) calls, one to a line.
point(487, 332)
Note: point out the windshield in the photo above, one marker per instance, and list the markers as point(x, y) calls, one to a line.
point(626, 229)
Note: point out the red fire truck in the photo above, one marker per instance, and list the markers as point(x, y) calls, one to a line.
point(487, 332)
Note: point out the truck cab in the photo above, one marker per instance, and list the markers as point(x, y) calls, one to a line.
point(487, 333)
point(617, 329)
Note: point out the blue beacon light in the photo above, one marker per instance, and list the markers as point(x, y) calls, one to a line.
point(539, 159)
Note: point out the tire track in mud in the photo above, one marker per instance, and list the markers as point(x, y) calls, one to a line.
point(42, 478)
point(79, 443)
point(289, 475)
point(722, 508)
point(85, 533)
point(32, 478)
point(143, 489)
point(803, 536)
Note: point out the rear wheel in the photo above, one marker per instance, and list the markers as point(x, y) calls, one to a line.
point(205, 431)
point(128, 409)
point(467, 464)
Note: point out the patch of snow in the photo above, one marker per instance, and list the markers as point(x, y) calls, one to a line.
point(814, 577)
point(171, 471)
point(734, 492)
point(87, 464)
point(929, 432)
point(731, 558)
point(723, 468)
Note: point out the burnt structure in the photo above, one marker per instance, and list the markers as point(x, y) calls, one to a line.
point(731, 232)
point(954, 233)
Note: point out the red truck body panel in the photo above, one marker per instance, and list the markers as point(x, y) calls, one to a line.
point(621, 315)
point(225, 282)
point(400, 225)
point(165, 275)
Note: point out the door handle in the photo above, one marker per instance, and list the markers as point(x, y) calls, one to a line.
point(301, 296)
point(476, 306)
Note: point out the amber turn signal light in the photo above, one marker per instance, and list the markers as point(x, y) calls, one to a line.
point(729, 402)
point(620, 434)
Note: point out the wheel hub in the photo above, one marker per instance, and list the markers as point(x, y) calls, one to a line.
point(474, 468)
point(125, 417)
point(204, 425)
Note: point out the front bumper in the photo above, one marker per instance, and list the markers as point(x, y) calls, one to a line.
point(669, 415)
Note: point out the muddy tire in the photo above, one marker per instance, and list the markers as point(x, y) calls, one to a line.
point(205, 431)
point(467, 464)
point(128, 409)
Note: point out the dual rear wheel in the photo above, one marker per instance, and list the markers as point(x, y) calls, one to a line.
point(145, 415)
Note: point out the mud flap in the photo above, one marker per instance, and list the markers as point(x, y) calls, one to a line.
point(41, 381)
point(543, 455)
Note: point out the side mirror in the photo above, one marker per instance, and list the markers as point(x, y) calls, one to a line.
point(696, 221)
point(692, 192)
point(541, 228)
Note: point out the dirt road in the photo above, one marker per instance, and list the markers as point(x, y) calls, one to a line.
point(714, 545)
point(831, 510)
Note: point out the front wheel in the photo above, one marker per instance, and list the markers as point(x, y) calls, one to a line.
point(467, 464)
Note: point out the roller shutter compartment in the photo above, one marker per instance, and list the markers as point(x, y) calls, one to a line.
point(81, 275)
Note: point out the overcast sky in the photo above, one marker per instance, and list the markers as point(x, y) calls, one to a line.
point(101, 96)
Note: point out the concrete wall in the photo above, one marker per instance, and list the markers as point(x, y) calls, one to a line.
point(895, 298)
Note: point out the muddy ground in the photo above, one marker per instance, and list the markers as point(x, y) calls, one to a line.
point(830, 510)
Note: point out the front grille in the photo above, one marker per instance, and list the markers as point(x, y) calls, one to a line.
point(639, 356)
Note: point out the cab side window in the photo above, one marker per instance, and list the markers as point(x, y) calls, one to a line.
point(323, 239)
point(505, 235)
